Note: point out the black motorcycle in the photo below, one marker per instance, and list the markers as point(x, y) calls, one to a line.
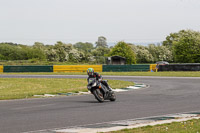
point(100, 91)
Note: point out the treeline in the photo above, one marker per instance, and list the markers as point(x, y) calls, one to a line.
point(180, 47)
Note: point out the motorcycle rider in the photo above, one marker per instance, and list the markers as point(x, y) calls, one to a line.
point(92, 74)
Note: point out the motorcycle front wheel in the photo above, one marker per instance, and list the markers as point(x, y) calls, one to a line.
point(98, 95)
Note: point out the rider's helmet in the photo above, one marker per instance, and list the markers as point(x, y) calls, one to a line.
point(90, 71)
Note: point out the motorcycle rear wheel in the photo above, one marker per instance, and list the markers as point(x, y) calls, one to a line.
point(113, 96)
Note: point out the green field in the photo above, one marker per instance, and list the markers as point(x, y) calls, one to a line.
point(168, 74)
point(18, 88)
point(191, 126)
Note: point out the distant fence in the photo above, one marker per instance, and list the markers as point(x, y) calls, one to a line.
point(101, 68)
point(179, 67)
point(28, 69)
point(125, 68)
point(76, 68)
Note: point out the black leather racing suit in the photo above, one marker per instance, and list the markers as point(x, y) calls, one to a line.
point(98, 76)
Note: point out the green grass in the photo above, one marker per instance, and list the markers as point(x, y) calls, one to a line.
point(168, 74)
point(18, 88)
point(191, 126)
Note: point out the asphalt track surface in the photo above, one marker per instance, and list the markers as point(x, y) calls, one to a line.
point(165, 95)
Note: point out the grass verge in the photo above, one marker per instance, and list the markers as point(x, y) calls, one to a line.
point(191, 126)
point(168, 74)
point(18, 88)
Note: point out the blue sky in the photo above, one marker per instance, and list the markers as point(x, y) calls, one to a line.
point(70, 21)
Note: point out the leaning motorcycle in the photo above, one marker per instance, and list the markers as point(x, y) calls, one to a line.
point(100, 91)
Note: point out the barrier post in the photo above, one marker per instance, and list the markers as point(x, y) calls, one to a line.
point(1, 68)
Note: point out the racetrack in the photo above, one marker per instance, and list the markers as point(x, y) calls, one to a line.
point(165, 95)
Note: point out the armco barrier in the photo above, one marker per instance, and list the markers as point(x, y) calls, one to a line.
point(28, 69)
point(179, 67)
point(1, 68)
point(153, 67)
point(125, 68)
point(76, 68)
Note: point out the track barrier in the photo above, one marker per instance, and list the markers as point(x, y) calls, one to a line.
point(76, 68)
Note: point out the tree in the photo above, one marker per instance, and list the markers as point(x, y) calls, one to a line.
point(12, 52)
point(86, 47)
point(62, 50)
point(185, 46)
point(100, 54)
point(124, 50)
point(171, 38)
point(33, 53)
point(164, 53)
point(39, 45)
point(160, 52)
point(101, 42)
point(20, 52)
point(153, 50)
point(52, 54)
point(100, 51)
point(75, 55)
point(143, 55)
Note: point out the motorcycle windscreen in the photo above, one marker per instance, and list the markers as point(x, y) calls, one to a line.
point(92, 82)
